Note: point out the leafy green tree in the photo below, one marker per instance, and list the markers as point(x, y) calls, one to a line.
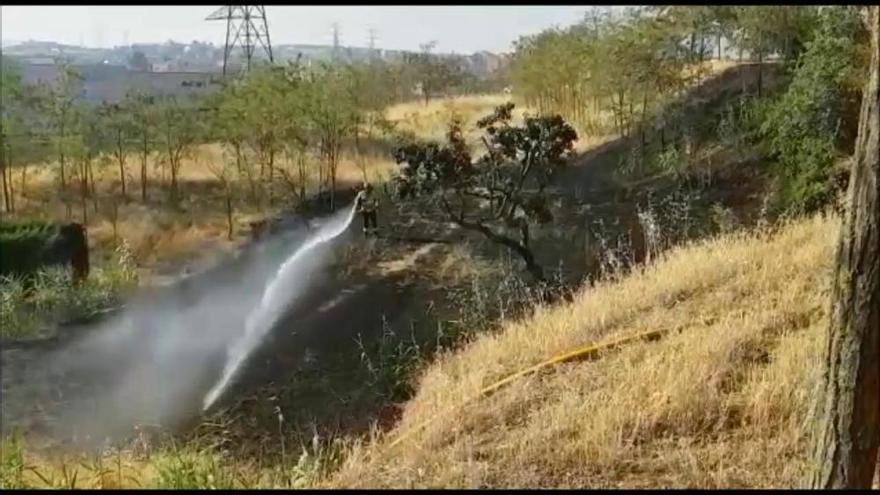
point(765, 30)
point(333, 115)
point(144, 115)
point(433, 74)
point(119, 124)
point(63, 111)
point(502, 193)
point(179, 130)
point(10, 124)
point(804, 127)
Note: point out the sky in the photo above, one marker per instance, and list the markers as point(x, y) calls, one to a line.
point(460, 29)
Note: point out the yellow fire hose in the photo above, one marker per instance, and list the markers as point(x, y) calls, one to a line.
point(584, 353)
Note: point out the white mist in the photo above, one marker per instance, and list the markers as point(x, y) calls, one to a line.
point(282, 289)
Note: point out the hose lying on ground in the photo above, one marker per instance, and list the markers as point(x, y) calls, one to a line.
point(591, 351)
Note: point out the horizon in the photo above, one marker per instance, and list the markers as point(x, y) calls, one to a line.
point(456, 29)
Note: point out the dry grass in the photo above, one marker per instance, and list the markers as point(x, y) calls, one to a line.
point(157, 233)
point(720, 404)
point(430, 122)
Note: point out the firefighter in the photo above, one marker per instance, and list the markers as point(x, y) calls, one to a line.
point(367, 206)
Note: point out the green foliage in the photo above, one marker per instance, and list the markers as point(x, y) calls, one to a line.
point(504, 189)
point(389, 364)
point(188, 468)
point(54, 299)
point(21, 245)
point(803, 127)
point(12, 465)
point(628, 66)
point(433, 74)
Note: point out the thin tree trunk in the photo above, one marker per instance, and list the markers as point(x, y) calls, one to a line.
point(23, 188)
point(228, 213)
point(271, 176)
point(5, 186)
point(120, 158)
point(6, 164)
point(144, 159)
point(63, 177)
point(760, 71)
point(847, 434)
point(84, 192)
point(91, 177)
point(62, 158)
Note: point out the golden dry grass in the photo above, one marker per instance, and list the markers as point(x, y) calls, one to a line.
point(720, 404)
point(430, 122)
point(157, 233)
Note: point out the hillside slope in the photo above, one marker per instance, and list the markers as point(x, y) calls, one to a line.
point(720, 403)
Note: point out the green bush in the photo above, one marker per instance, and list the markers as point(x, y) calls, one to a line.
point(803, 127)
point(53, 298)
point(21, 244)
point(12, 464)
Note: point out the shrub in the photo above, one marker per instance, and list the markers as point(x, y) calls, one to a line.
point(803, 127)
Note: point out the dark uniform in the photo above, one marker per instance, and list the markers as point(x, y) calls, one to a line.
point(367, 205)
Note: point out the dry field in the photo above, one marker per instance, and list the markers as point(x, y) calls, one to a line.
point(719, 402)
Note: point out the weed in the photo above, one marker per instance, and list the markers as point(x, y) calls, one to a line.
point(12, 465)
point(191, 468)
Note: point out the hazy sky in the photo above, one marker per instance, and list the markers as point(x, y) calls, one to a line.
point(462, 29)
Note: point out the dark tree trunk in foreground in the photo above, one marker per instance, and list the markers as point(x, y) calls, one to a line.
point(847, 433)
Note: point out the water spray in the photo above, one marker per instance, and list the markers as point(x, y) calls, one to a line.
point(275, 298)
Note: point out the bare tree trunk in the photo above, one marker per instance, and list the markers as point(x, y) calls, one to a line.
point(271, 177)
point(228, 213)
point(84, 192)
point(5, 186)
point(120, 158)
point(144, 159)
point(6, 170)
point(94, 191)
point(23, 189)
point(847, 434)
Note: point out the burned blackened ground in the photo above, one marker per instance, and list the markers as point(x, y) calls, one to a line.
point(154, 362)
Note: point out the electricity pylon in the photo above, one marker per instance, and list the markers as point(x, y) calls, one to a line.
point(247, 27)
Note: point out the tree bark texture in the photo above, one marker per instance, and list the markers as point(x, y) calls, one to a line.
point(847, 433)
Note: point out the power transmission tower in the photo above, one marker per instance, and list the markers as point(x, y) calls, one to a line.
point(246, 26)
point(372, 35)
point(335, 41)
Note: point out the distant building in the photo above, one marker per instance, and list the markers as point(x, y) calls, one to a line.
point(110, 83)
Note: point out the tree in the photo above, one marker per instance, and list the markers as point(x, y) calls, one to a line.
point(62, 110)
point(765, 30)
point(144, 120)
point(501, 192)
point(803, 127)
point(121, 128)
point(847, 434)
point(10, 124)
point(332, 115)
point(432, 73)
point(179, 129)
